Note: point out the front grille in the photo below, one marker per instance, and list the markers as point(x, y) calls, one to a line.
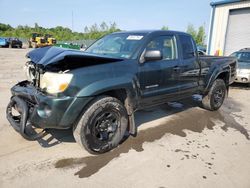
point(30, 104)
point(233, 69)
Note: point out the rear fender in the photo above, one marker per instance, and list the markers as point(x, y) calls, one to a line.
point(215, 75)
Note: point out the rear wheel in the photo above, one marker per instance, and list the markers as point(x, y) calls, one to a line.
point(102, 126)
point(215, 97)
point(34, 45)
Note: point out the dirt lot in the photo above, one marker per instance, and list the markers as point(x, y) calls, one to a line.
point(174, 147)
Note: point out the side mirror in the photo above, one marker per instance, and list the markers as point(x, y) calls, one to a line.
point(153, 55)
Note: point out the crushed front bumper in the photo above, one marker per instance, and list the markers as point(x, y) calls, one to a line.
point(29, 107)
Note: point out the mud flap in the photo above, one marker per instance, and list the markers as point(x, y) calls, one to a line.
point(20, 121)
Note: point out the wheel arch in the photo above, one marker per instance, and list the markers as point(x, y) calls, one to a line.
point(128, 99)
point(123, 89)
point(224, 75)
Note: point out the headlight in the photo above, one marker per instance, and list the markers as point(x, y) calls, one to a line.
point(55, 82)
point(29, 71)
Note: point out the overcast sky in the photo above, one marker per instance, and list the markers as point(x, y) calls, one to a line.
point(128, 14)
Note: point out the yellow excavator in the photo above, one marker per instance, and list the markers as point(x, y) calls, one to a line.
point(50, 40)
point(38, 40)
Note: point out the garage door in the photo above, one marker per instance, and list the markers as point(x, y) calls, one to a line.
point(238, 31)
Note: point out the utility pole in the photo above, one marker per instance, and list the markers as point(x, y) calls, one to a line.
point(72, 21)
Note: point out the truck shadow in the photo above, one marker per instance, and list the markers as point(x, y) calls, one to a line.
point(240, 86)
point(52, 137)
point(193, 119)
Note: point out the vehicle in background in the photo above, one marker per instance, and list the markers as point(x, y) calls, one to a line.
point(50, 39)
point(201, 53)
point(4, 42)
point(243, 69)
point(15, 43)
point(37, 40)
point(11, 42)
point(202, 48)
point(83, 47)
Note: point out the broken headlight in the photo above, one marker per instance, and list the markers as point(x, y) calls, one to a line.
point(30, 71)
point(55, 82)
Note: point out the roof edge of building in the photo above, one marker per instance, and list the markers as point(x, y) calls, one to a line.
point(224, 2)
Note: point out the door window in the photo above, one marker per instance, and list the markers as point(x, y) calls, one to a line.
point(166, 44)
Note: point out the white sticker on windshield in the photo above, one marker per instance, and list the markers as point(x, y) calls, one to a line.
point(134, 37)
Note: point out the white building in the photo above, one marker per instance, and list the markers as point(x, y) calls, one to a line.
point(229, 27)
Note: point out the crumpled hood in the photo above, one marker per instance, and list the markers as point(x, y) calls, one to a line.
point(67, 58)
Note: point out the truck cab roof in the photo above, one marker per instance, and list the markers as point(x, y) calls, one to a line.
point(153, 32)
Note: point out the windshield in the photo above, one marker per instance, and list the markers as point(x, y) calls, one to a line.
point(120, 45)
point(242, 56)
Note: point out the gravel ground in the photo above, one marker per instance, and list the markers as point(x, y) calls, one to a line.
point(178, 145)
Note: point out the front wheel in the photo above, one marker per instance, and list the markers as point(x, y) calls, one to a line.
point(215, 97)
point(102, 125)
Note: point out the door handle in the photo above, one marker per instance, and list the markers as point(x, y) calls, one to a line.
point(176, 68)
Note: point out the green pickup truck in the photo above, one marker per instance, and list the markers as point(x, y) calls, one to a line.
point(96, 92)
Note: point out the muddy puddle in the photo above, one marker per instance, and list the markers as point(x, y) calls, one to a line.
point(192, 119)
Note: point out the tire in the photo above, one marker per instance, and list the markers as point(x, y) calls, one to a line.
point(102, 125)
point(30, 44)
point(34, 45)
point(215, 97)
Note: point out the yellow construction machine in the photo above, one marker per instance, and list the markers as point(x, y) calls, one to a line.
point(38, 40)
point(50, 40)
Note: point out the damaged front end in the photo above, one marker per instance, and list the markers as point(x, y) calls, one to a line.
point(24, 100)
point(21, 105)
point(46, 99)
point(30, 105)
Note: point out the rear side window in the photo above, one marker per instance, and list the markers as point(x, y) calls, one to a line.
point(187, 46)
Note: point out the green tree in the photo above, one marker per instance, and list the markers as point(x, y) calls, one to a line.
point(86, 29)
point(104, 26)
point(191, 30)
point(199, 36)
point(164, 28)
point(94, 31)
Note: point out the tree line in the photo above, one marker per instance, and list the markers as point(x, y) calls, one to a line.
point(92, 32)
point(199, 34)
point(60, 33)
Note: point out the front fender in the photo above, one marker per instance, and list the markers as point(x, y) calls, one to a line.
point(102, 86)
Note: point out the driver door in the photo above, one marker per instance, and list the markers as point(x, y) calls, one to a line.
point(158, 79)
